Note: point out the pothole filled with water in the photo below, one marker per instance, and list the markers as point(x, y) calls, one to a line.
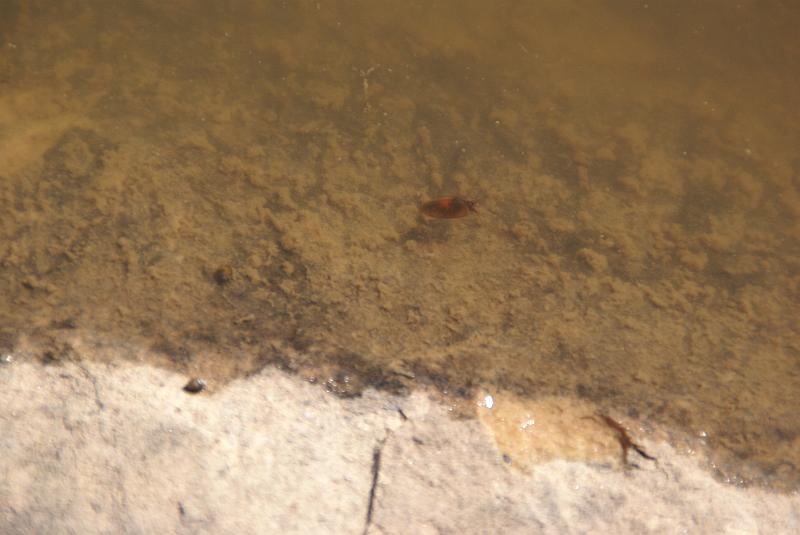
point(219, 190)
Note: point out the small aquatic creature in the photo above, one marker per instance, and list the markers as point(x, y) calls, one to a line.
point(625, 441)
point(195, 385)
point(448, 208)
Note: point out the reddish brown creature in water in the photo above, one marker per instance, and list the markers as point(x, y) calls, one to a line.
point(448, 208)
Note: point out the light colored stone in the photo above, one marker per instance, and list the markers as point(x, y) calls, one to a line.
point(94, 448)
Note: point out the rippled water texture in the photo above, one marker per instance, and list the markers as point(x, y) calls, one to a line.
point(218, 186)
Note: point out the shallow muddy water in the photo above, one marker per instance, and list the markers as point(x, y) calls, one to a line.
point(216, 189)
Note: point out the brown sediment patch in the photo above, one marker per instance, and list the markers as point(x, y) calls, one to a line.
point(529, 432)
point(637, 248)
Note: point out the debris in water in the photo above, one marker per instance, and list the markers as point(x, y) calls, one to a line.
point(223, 275)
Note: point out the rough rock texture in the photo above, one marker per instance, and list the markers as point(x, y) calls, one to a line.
point(98, 448)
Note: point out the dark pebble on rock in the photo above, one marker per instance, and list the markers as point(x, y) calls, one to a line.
point(194, 386)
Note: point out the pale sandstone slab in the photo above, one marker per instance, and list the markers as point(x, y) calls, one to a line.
point(94, 448)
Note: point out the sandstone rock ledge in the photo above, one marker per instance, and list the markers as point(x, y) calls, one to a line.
point(97, 448)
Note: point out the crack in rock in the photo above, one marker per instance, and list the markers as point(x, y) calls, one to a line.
point(93, 380)
point(377, 452)
point(376, 468)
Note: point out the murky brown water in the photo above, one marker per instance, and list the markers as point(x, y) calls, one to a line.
point(215, 189)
